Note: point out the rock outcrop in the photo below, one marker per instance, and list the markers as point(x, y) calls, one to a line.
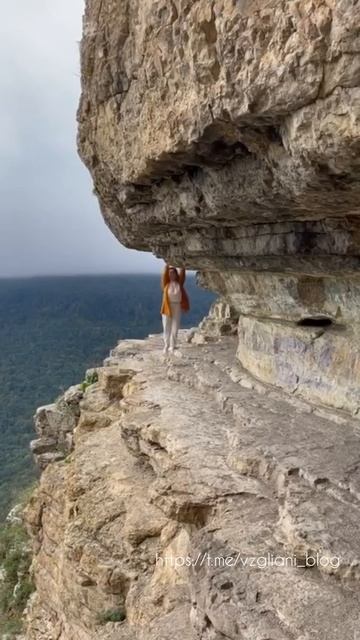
point(217, 495)
point(54, 425)
point(197, 503)
point(225, 136)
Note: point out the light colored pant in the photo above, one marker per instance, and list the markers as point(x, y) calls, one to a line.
point(171, 325)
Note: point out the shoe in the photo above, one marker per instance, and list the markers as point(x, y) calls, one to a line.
point(165, 350)
point(171, 350)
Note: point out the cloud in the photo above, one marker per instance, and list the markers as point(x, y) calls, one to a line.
point(49, 219)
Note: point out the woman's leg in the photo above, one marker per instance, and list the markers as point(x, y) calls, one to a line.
point(175, 324)
point(166, 321)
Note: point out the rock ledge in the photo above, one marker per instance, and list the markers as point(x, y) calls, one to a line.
point(192, 458)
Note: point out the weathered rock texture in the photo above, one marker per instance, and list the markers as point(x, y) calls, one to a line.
point(224, 135)
point(54, 425)
point(187, 477)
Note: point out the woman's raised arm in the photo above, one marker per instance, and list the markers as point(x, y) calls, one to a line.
point(182, 275)
point(165, 278)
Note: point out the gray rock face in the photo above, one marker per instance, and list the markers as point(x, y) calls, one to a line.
point(225, 136)
point(54, 425)
point(222, 320)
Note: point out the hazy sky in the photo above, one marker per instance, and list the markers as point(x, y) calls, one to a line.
point(49, 219)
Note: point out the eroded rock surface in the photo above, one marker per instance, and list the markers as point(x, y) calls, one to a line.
point(54, 426)
point(187, 479)
point(199, 120)
point(223, 135)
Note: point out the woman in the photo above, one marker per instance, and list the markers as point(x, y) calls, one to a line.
point(175, 300)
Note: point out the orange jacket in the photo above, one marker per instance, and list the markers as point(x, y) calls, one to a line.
point(165, 280)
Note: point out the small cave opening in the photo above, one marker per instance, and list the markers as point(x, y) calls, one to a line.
point(315, 321)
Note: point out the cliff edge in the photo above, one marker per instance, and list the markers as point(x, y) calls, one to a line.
point(196, 503)
point(216, 495)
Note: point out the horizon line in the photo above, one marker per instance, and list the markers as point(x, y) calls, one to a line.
point(85, 275)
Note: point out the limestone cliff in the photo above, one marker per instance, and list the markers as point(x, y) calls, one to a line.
point(186, 476)
point(222, 135)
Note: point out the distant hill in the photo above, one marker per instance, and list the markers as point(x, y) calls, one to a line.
point(51, 330)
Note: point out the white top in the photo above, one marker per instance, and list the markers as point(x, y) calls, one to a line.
point(174, 292)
